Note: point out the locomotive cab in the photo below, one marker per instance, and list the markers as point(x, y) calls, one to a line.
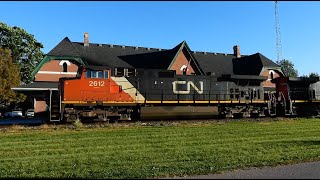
point(95, 94)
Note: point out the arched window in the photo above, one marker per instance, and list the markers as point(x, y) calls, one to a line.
point(271, 75)
point(65, 67)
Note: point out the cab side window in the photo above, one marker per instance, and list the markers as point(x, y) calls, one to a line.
point(97, 74)
point(106, 74)
point(88, 74)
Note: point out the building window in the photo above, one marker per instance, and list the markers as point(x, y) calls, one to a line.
point(65, 67)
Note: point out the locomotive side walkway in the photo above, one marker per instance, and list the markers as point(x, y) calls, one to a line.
point(309, 170)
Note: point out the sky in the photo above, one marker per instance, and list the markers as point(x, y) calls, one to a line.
point(211, 26)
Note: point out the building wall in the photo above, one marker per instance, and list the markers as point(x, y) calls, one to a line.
point(267, 73)
point(181, 62)
point(53, 70)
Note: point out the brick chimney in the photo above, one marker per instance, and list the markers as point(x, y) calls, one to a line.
point(236, 51)
point(86, 39)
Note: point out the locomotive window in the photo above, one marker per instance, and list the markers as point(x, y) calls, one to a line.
point(100, 75)
point(88, 74)
point(106, 74)
point(96, 74)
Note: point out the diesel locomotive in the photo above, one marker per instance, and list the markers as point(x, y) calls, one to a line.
point(102, 93)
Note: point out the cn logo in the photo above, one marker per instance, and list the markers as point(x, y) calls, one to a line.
point(189, 84)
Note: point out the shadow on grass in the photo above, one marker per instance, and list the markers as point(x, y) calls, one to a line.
point(293, 143)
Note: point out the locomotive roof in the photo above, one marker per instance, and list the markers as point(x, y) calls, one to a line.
point(242, 77)
point(298, 79)
point(157, 58)
point(96, 67)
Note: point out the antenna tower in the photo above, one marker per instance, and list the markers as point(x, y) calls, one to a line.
point(278, 34)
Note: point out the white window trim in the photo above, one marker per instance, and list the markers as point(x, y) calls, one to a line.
point(64, 61)
point(55, 72)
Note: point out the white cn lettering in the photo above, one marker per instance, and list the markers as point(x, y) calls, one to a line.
point(190, 83)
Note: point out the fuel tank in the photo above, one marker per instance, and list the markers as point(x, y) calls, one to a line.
point(178, 112)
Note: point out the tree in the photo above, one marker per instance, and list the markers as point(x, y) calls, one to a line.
point(25, 49)
point(9, 77)
point(313, 74)
point(287, 68)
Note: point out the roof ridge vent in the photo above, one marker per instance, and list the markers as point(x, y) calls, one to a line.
point(123, 47)
point(136, 47)
point(159, 49)
point(148, 49)
point(111, 45)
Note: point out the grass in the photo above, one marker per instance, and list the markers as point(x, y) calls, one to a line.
point(164, 150)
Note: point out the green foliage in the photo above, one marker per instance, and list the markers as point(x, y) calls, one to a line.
point(9, 77)
point(287, 68)
point(25, 50)
point(313, 74)
point(157, 151)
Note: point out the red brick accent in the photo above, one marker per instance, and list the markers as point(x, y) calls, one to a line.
point(182, 60)
point(40, 106)
point(54, 66)
point(266, 73)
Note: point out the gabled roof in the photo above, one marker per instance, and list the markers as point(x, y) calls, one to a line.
point(215, 63)
point(121, 56)
point(155, 58)
point(64, 48)
point(180, 47)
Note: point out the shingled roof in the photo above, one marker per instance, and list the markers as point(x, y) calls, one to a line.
point(252, 65)
point(155, 58)
point(215, 63)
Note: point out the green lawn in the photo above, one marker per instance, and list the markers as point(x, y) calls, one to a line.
point(136, 151)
